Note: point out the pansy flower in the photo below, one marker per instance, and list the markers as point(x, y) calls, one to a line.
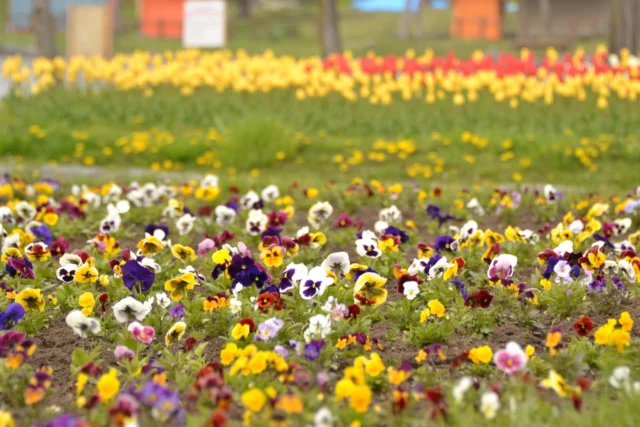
point(150, 245)
point(252, 275)
point(272, 256)
point(183, 253)
point(437, 266)
point(224, 215)
point(313, 348)
point(502, 266)
point(256, 222)
point(251, 200)
point(511, 359)
point(177, 312)
point(31, 299)
point(175, 333)
point(178, 286)
point(277, 218)
point(443, 243)
point(59, 247)
point(268, 329)
point(270, 193)
point(20, 267)
point(319, 213)
point(135, 275)
point(371, 286)
point(314, 283)
point(583, 326)
point(129, 308)
point(343, 221)
point(82, 325)
point(481, 298)
point(42, 233)
point(142, 333)
point(338, 263)
point(367, 247)
point(158, 231)
point(291, 276)
point(10, 317)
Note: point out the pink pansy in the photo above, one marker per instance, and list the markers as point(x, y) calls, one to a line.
point(205, 246)
point(502, 266)
point(243, 249)
point(144, 334)
point(121, 352)
point(511, 359)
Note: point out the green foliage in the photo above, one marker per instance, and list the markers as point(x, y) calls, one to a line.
point(565, 301)
point(255, 141)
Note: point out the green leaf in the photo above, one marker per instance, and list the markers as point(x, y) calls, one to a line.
point(79, 357)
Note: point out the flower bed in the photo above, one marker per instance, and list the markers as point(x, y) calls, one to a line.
point(213, 303)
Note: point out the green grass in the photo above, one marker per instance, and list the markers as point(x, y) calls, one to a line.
point(256, 127)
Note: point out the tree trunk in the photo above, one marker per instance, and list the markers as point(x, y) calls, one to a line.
point(545, 16)
point(418, 27)
point(330, 27)
point(624, 31)
point(405, 21)
point(43, 24)
point(245, 8)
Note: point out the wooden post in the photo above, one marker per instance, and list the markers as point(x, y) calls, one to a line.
point(623, 31)
point(43, 24)
point(545, 16)
point(330, 27)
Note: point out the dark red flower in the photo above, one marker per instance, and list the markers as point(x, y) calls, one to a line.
point(84, 256)
point(481, 298)
point(277, 218)
point(189, 344)
point(205, 211)
point(266, 300)
point(249, 321)
point(104, 298)
point(343, 221)
point(218, 419)
point(354, 311)
point(363, 300)
point(583, 326)
point(584, 383)
point(278, 305)
point(59, 247)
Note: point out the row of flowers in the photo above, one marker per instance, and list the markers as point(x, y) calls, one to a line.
point(295, 315)
point(379, 80)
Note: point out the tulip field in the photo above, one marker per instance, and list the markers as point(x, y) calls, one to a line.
point(196, 238)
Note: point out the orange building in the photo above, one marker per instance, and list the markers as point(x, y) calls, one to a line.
point(162, 18)
point(477, 19)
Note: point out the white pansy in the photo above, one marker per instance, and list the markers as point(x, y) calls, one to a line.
point(411, 290)
point(82, 325)
point(270, 193)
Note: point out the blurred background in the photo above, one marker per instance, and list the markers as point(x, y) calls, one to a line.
point(313, 27)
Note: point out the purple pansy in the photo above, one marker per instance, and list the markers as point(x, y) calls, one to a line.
point(136, 275)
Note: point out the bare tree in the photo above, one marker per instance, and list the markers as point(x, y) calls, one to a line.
point(330, 28)
point(245, 8)
point(625, 25)
point(43, 24)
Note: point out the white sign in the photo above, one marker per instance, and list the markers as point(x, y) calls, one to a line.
point(205, 24)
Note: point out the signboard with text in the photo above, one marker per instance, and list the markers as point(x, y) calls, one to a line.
point(205, 24)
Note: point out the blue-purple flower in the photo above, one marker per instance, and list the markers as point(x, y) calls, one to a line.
point(13, 313)
point(312, 349)
point(136, 275)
